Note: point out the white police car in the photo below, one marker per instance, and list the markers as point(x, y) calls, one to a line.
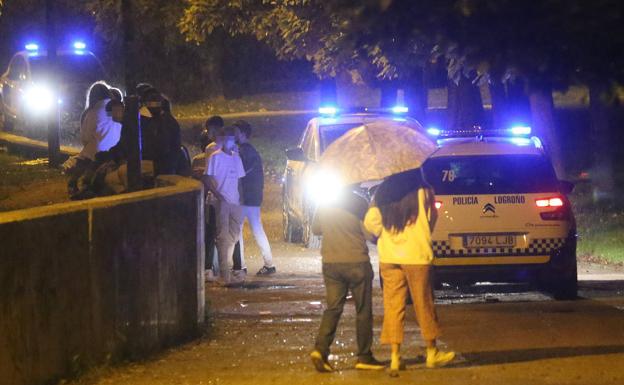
point(502, 213)
point(26, 95)
point(303, 187)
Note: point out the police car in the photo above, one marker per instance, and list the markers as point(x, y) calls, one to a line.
point(502, 213)
point(26, 95)
point(303, 188)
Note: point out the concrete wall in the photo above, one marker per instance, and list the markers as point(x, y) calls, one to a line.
point(95, 281)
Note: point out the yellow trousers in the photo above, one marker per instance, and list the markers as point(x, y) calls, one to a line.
point(397, 280)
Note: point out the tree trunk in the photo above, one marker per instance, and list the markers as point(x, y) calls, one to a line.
point(542, 111)
point(388, 94)
point(465, 106)
point(602, 169)
point(499, 104)
point(416, 97)
point(518, 109)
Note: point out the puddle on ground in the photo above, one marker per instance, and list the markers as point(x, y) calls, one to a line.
point(33, 162)
point(266, 286)
point(286, 320)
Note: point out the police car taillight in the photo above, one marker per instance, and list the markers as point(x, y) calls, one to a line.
point(549, 202)
point(438, 205)
point(555, 203)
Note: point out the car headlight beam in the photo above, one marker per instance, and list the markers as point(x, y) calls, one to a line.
point(39, 99)
point(324, 187)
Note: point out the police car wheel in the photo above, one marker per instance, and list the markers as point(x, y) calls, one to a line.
point(310, 240)
point(292, 232)
point(7, 123)
point(561, 284)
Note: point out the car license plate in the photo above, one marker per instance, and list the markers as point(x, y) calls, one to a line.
point(497, 240)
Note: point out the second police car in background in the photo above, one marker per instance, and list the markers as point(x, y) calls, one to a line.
point(303, 187)
point(26, 93)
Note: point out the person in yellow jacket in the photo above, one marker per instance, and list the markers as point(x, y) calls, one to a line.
point(402, 217)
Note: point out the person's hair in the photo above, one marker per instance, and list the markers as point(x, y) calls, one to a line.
point(244, 127)
point(166, 105)
point(97, 92)
point(214, 121)
point(116, 94)
point(397, 199)
point(141, 88)
point(226, 131)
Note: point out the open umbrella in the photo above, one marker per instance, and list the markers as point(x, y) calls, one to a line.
point(377, 150)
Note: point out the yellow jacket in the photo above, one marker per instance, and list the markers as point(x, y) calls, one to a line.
point(412, 246)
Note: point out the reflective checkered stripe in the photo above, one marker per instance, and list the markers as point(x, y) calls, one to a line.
point(546, 246)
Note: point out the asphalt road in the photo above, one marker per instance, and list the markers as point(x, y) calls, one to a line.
point(263, 332)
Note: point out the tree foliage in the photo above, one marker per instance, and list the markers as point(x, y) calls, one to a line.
point(543, 40)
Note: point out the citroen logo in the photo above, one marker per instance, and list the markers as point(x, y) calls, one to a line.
point(489, 207)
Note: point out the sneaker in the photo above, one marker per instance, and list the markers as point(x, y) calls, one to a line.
point(209, 275)
point(320, 362)
point(436, 358)
point(238, 275)
point(266, 270)
point(370, 364)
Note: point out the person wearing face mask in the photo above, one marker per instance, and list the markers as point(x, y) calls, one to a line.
point(160, 134)
point(221, 178)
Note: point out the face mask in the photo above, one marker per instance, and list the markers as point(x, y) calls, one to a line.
point(229, 144)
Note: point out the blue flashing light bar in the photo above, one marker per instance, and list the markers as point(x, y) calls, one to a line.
point(433, 131)
point(400, 109)
point(521, 141)
point(520, 130)
point(31, 47)
point(328, 110)
point(79, 45)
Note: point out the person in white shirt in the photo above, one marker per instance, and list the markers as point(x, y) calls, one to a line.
point(221, 177)
point(98, 131)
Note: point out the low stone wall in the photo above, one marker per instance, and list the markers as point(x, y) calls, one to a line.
point(96, 281)
point(32, 148)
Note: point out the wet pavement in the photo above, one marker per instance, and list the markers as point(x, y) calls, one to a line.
point(262, 333)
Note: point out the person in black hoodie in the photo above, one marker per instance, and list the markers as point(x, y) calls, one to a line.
point(252, 185)
point(160, 135)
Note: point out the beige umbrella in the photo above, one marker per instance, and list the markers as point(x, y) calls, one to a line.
point(377, 150)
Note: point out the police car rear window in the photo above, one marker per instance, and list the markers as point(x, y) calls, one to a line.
point(491, 174)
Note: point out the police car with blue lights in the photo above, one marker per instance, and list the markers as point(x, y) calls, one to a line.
point(304, 186)
point(502, 213)
point(26, 93)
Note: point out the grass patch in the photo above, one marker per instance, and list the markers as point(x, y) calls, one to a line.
point(17, 172)
point(600, 226)
point(29, 183)
point(261, 102)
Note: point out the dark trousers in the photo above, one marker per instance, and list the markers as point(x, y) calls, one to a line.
point(339, 279)
point(210, 237)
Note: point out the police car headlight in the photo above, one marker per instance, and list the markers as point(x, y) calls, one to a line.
point(39, 98)
point(324, 187)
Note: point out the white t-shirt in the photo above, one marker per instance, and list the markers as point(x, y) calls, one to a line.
point(227, 170)
point(98, 131)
